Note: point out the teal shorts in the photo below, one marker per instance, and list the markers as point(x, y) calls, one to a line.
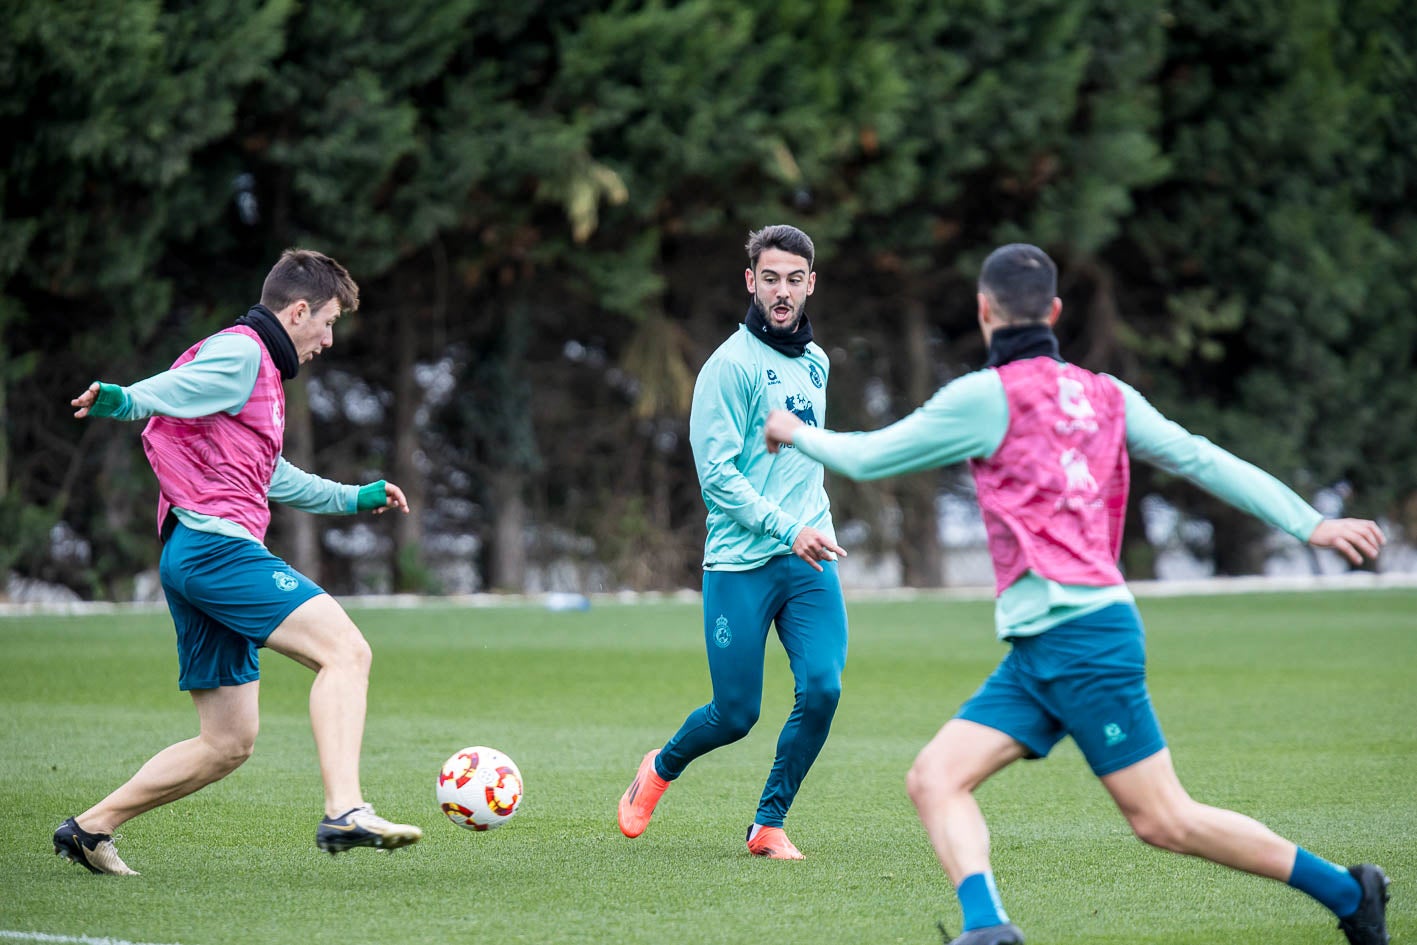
point(1085, 678)
point(226, 595)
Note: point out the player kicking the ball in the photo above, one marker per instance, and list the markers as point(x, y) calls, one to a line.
point(1048, 443)
point(214, 442)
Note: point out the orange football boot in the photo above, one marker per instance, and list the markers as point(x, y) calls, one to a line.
point(772, 843)
point(638, 801)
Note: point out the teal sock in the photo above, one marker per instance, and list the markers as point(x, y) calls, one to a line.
point(1327, 882)
point(979, 899)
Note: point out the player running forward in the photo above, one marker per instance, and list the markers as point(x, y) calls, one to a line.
point(1048, 443)
point(770, 557)
point(214, 442)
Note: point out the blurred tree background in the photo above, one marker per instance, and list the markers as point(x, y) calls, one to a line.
point(545, 205)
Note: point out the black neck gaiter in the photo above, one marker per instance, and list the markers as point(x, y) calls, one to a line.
point(274, 336)
point(1021, 342)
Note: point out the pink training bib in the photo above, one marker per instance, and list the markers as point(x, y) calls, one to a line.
point(1054, 494)
point(222, 464)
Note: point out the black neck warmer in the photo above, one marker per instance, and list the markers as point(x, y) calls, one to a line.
point(1021, 342)
point(273, 335)
point(791, 343)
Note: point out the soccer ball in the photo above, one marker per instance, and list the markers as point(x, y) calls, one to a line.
point(479, 788)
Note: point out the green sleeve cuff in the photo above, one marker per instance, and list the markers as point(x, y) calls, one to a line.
point(110, 401)
point(372, 496)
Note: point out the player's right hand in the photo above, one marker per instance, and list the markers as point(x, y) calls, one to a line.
point(1354, 538)
point(780, 428)
point(812, 546)
point(395, 499)
point(85, 400)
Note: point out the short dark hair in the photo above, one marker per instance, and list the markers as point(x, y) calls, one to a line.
point(789, 239)
point(314, 277)
point(1021, 281)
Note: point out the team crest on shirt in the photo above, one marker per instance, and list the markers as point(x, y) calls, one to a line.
point(285, 581)
point(816, 377)
point(722, 636)
point(276, 418)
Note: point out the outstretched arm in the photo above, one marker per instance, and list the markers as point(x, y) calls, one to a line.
point(964, 419)
point(1168, 445)
point(218, 380)
point(293, 486)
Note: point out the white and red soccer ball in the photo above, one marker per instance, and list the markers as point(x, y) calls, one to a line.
point(479, 788)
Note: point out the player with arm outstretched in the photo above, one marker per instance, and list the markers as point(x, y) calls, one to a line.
point(770, 556)
point(1049, 446)
point(216, 424)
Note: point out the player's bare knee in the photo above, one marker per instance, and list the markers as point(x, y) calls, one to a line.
point(230, 750)
point(931, 777)
point(1165, 830)
point(349, 653)
point(360, 653)
point(239, 752)
point(917, 784)
point(935, 772)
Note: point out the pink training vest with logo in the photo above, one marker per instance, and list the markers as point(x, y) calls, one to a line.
point(222, 464)
point(1054, 493)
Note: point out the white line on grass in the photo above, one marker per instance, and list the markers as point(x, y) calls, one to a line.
point(76, 939)
point(1175, 587)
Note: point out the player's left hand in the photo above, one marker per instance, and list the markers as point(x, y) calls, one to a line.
point(1354, 538)
point(85, 401)
point(812, 546)
point(781, 427)
point(396, 499)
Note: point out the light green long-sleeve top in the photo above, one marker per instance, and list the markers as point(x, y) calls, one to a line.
point(757, 501)
point(220, 379)
point(968, 418)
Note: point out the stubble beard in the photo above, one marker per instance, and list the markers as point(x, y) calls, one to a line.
point(766, 312)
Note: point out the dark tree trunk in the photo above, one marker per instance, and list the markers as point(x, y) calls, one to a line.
point(410, 573)
point(1239, 543)
point(508, 552)
point(921, 558)
point(300, 531)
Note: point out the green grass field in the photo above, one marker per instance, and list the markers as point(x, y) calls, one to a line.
point(1297, 709)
